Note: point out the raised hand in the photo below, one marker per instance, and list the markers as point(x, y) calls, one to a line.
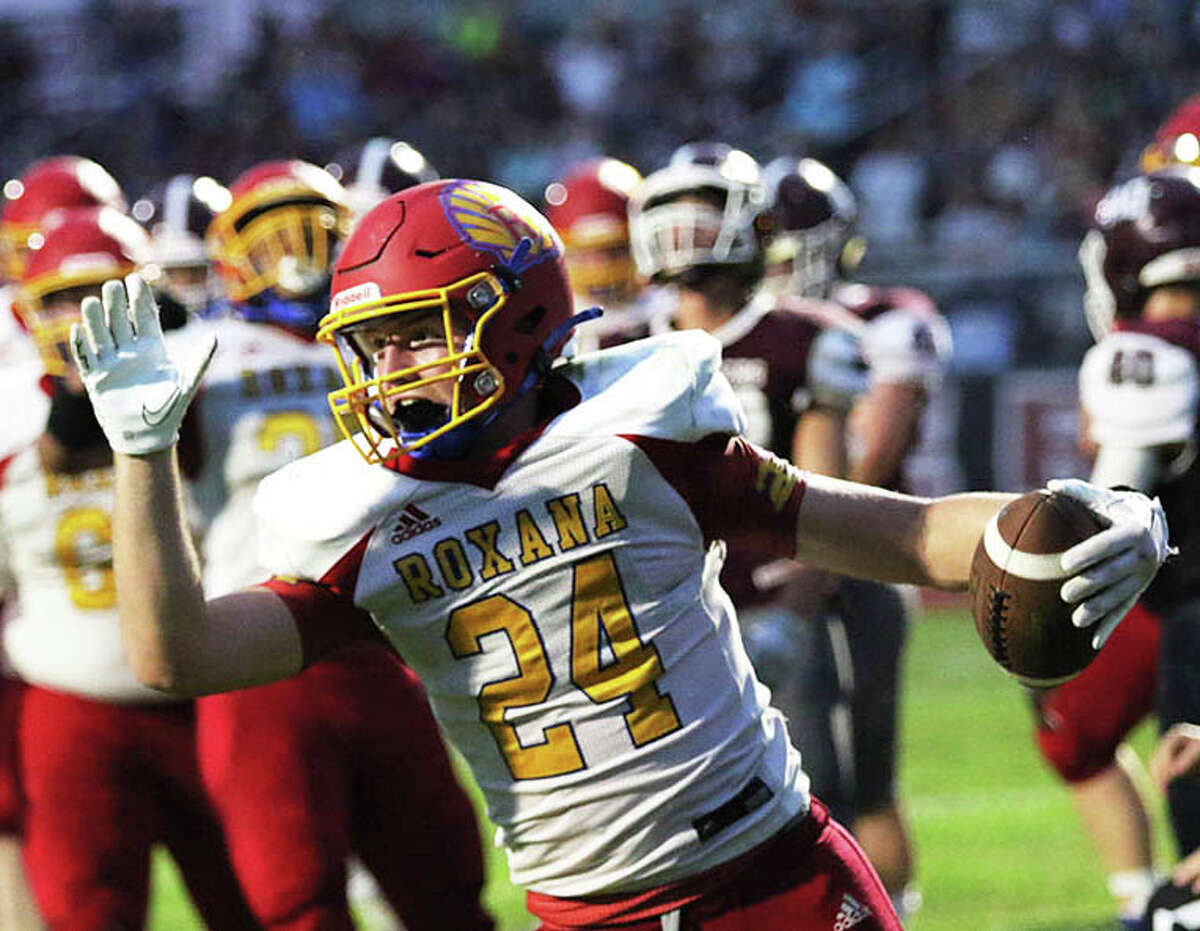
point(138, 391)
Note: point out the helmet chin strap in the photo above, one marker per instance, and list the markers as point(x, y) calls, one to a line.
point(456, 443)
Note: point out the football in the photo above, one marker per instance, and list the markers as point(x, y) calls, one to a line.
point(1014, 588)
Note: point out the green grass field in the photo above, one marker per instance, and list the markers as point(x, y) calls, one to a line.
point(999, 847)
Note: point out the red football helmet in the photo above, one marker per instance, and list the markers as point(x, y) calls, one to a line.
point(589, 208)
point(280, 232)
point(1177, 141)
point(813, 214)
point(701, 211)
point(1146, 233)
point(491, 265)
point(81, 249)
point(63, 181)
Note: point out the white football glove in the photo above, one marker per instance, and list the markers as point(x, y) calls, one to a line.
point(138, 392)
point(1111, 569)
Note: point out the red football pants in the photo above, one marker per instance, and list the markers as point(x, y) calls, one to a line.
point(1081, 722)
point(810, 877)
point(344, 757)
point(12, 692)
point(102, 783)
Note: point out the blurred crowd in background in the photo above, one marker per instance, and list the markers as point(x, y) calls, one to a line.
point(977, 134)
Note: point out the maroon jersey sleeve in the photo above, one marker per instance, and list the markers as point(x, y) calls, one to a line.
point(737, 491)
point(324, 610)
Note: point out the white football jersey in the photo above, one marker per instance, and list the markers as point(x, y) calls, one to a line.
point(566, 619)
point(1139, 390)
point(263, 405)
point(57, 539)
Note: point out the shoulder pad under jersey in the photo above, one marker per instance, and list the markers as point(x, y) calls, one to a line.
point(1139, 390)
point(667, 386)
point(313, 510)
point(837, 372)
point(903, 345)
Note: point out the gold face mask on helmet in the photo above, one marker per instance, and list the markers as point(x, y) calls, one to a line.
point(369, 409)
point(287, 247)
point(599, 262)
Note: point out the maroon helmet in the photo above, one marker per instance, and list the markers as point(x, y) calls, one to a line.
point(1146, 233)
point(813, 216)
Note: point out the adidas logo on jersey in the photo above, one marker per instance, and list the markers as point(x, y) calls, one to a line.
point(850, 914)
point(413, 522)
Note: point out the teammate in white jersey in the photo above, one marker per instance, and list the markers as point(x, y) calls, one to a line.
point(108, 766)
point(46, 185)
point(304, 772)
point(20, 372)
point(542, 544)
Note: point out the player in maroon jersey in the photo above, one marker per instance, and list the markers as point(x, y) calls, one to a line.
point(1081, 725)
point(828, 648)
point(1138, 390)
point(905, 342)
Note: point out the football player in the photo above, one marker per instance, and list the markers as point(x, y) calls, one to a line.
point(108, 766)
point(589, 208)
point(1082, 723)
point(1138, 390)
point(558, 589)
point(55, 183)
point(307, 771)
point(812, 250)
point(698, 226)
point(46, 185)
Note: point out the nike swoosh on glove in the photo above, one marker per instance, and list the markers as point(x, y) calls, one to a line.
point(1110, 569)
point(139, 393)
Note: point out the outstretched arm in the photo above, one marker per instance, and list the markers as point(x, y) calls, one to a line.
point(174, 640)
point(863, 531)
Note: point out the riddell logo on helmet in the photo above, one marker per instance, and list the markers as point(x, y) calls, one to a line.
point(413, 522)
point(359, 294)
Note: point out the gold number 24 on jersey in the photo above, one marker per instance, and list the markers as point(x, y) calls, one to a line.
point(599, 602)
